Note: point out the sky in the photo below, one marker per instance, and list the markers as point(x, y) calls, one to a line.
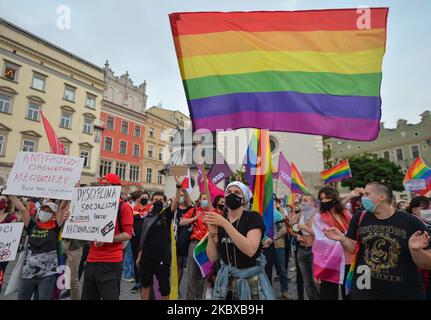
point(135, 36)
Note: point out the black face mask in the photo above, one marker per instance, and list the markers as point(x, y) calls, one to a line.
point(157, 206)
point(221, 207)
point(144, 201)
point(233, 201)
point(326, 206)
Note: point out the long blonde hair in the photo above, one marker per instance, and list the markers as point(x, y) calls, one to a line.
point(187, 199)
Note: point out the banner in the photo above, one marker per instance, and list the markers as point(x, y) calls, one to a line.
point(93, 214)
point(284, 171)
point(10, 235)
point(415, 185)
point(44, 175)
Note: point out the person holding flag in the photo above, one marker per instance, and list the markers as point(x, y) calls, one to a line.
point(236, 238)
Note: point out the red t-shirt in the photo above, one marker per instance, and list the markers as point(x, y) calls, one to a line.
point(10, 219)
point(32, 210)
point(200, 229)
point(113, 252)
point(142, 210)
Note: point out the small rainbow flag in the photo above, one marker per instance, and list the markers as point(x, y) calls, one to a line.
point(316, 72)
point(201, 257)
point(340, 172)
point(419, 170)
point(298, 184)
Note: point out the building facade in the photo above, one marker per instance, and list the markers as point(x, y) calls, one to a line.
point(160, 127)
point(39, 76)
point(123, 118)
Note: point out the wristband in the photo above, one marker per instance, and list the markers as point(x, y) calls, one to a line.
point(179, 186)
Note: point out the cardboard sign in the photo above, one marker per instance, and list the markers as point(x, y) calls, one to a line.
point(44, 175)
point(10, 236)
point(93, 214)
point(415, 185)
point(178, 171)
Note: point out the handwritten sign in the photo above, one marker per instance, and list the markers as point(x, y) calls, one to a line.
point(93, 214)
point(44, 175)
point(178, 171)
point(415, 185)
point(10, 235)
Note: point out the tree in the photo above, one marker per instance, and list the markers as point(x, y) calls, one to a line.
point(366, 169)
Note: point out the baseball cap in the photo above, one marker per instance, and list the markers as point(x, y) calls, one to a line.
point(50, 205)
point(112, 178)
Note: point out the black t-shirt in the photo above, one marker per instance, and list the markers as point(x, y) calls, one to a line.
point(249, 220)
point(384, 249)
point(138, 221)
point(180, 213)
point(157, 245)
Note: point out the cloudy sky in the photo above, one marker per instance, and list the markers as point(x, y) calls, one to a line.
point(135, 35)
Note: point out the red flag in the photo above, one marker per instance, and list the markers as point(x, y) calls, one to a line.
point(212, 187)
point(187, 183)
point(56, 146)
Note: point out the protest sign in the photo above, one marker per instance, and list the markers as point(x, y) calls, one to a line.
point(415, 185)
point(10, 235)
point(93, 213)
point(178, 171)
point(44, 175)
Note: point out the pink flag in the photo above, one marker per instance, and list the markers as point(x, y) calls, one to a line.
point(284, 171)
point(214, 190)
point(56, 146)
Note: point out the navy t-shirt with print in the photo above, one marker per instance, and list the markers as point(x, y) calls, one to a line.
point(384, 249)
point(41, 257)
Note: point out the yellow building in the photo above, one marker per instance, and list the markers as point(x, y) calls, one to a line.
point(159, 128)
point(39, 76)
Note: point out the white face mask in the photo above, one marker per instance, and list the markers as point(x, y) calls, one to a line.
point(44, 216)
point(425, 214)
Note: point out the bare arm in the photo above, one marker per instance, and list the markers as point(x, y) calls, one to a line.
point(280, 233)
point(121, 237)
point(248, 245)
point(187, 221)
point(212, 249)
point(25, 216)
point(418, 246)
point(174, 203)
point(336, 235)
point(64, 206)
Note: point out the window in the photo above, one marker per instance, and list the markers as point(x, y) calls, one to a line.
point(399, 153)
point(160, 153)
point(151, 131)
point(110, 123)
point(108, 144)
point(2, 144)
point(69, 93)
point(66, 149)
point(33, 111)
point(120, 170)
point(136, 150)
point(104, 168)
point(66, 120)
point(137, 131)
point(88, 125)
point(28, 145)
point(38, 82)
point(86, 155)
point(415, 151)
point(90, 101)
point(160, 178)
point(5, 103)
point(123, 147)
point(11, 71)
point(134, 173)
point(150, 150)
point(386, 155)
point(149, 175)
point(97, 136)
point(125, 127)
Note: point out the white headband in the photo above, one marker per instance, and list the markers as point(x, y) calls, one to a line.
point(245, 190)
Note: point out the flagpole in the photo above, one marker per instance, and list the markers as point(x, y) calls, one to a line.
point(205, 179)
point(276, 187)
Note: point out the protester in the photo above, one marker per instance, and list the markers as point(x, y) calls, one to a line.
point(425, 215)
point(417, 204)
point(154, 252)
point(305, 237)
point(236, 239)
point(40, 269)
point(72, 249)
point(140, 210)
point(103, 270)
point(392, 245)
point(331, 269)
point(195, 281)
point(6, 216)
point(279, 246)
point(128, 263)
point(181, 205)
point(403, 205)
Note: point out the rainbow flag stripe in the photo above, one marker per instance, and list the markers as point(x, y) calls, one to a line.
point(263, 201)
point(314, 72)
point(201, 257)
point(340, 172)
point(298, 184)
point(418, 170)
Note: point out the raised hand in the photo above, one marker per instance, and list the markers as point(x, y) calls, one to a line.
point(333, 234)
point(419, 240)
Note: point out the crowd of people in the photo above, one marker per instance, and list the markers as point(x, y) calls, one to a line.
point(364, 246)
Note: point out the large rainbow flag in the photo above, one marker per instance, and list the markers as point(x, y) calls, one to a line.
point(315, 72)
point(263, 200)
point(340, 172)
point(419, 170)
point(298, 184)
